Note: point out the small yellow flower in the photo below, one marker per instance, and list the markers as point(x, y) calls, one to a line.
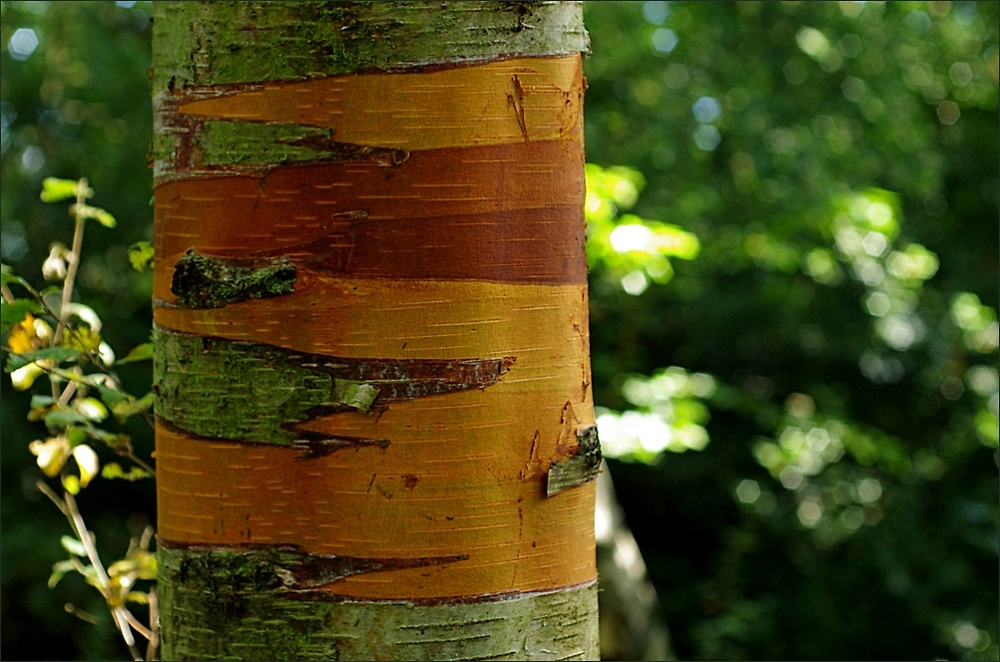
point(23, 337)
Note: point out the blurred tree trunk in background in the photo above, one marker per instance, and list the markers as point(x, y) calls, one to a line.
point(375, 432)
point(632, 624)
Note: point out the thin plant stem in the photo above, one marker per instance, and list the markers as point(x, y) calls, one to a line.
point(47, 491)
point(121, 619)
point(73, 261)
point(154, 625)
point(76, 519)
point(136, 625)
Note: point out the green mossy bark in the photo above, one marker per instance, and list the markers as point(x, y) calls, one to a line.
point(217, 148)
point(229, 390)
point(213, 43)
point(201, 281)
point(244, 391)
point(228, 604)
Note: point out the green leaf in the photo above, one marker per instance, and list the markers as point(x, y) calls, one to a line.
point(112, 396)
point(7, 276)
point(42, 401)
point(139, 353)
point(57, 354)
point(14, 312)
point(73, 546)
point(71, 484)
point(140, 254)
point(96, 213)
point(60, 570)
point(61, 418)
point(75, 435)
point(124, 410)
point(54, 189)
point(92, 408)
point(114, 470)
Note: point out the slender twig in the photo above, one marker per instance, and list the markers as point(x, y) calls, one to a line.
point(81, 614)
point(73, 259)
point(67, 393)
point(8, 296)
point(47, 491)
point(88, 542)
point(102, 575)
point(121, 619)
point(154, 624)
point(136, 625)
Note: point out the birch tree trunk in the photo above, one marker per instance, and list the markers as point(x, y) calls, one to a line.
point(375, 436)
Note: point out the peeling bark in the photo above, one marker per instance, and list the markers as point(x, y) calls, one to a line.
point(244, 593)
point(583, 466)
point(371, 370)
point(218, 389)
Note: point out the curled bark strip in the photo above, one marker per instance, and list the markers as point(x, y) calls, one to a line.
point(581, 467)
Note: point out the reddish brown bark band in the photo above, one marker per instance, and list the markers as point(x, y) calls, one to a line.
point(506, 213)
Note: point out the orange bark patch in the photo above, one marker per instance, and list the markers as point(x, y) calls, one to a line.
point(544, 327)
point(452, 483)
point(512, 101)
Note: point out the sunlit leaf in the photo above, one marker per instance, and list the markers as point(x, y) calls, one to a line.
point(140, 254)
point(55, 190)
point(114, 470)
point(96, 213)
point(73, 546)
point(60, 570)
point(54, 354)
point(131, 407)
point(71, 484)
point(75, 435)
point(112, 396)
point(86, 460)
point(92, 408)
point(139, 353)
point(137, 596)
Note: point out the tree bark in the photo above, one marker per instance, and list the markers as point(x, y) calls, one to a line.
point(375, 436)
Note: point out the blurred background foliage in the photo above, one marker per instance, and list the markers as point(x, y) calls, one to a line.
point(793, 238)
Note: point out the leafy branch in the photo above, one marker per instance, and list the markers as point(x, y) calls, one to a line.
point(78, 363)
